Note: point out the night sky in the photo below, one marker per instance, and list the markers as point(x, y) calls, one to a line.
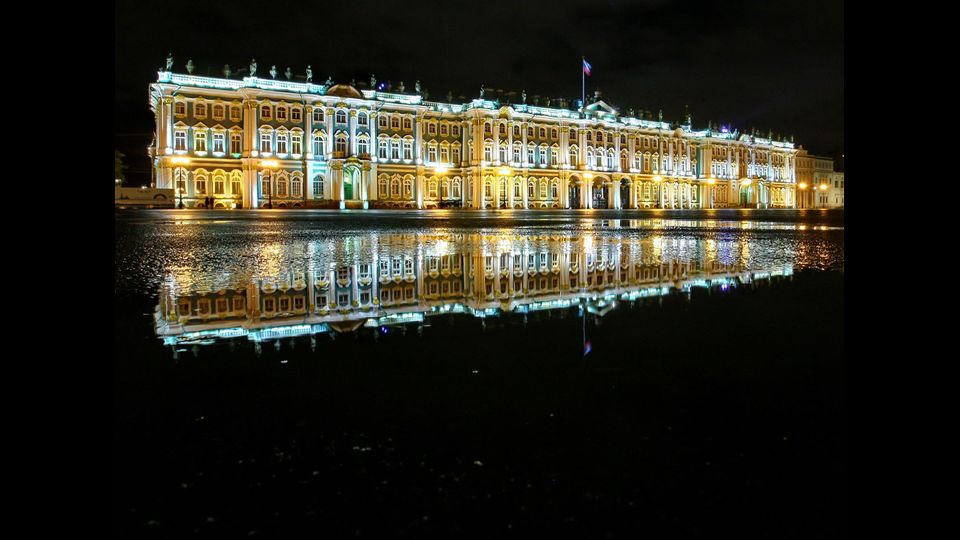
point(749, 64)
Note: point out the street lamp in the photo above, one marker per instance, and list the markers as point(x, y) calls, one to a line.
point(181, 186)
point(180, 195)
point(659, 179)
point(270, 164)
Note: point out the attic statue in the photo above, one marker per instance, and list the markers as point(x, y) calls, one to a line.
point(169, 61)
point(417, 86)
point(190, 67)
point(309, 74)
point(253, 67)
point(273, 71)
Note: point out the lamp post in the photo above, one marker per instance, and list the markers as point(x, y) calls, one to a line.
point(504, 172)
point(657, 179)
point(270, 164)
point(180, 160)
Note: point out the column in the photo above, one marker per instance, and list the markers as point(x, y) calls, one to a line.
point(308, 135)
point(366, 178)
point(523, 151)
point(418, 185)
point(525, 190)
point(564, 147)
point(496, 145)
point(510, 188)
point(417, 143)
point(329, 140)
point(510, 148)
point(373, 135)
point(564, 191)
point(352, 123)
point(250, 128)
point(464, 185)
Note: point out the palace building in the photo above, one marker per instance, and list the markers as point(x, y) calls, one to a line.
point(256, 142)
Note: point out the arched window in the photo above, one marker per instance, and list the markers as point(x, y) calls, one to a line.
point(266, 113)
point(555, 189)
point(200, 185)
point(531, 189)
point(341, 144)
point(341, 117)
point(363, 146)
point(318, 114)
point(395, 188)
point(318, 187)
point(180, 108)
point(543, 188)
point(432, 188)
point(295, 187)
point(395, 148)
point(281, 141)
point(573, 156)
point(219, 183)
point(362, 119)
point(408, 187)
point(456, 188)
point(517, 188)
point(281, 184)
point(235, 183)
point(445, 189)
point(319, 144)
point(265, 183)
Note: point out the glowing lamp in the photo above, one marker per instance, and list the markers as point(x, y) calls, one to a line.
point(823, 186)
point(270, 163)
point(711, 181)
point(588, 175)
point(803, 185)
point(657, 178)
point(180, 160)
point(503, 171)
point(440, 169)
point(746, 182)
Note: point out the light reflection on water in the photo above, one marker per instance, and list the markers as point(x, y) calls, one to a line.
point(351, 272)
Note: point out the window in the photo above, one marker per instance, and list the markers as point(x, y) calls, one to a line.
point(180, 108)
point(235, 186)
point(295, 186)
point(200, 141)
point(238, 303)
point(488, 151)
point(432, 189)
point(529, 131)
point(181, 176)
point(487, 130)
point(431, 153)
point(235, 138)
point(530, 156)
point(456, 154)
point(407, 124)
point(218, 141)
point(383, 149)
point(395, 149)
point(532, 190)
point(554, 190)
point(318, 114)
point(317, 187)
point(341, 145)
point(543, 133)
point(266, 113)
point(265, 183)
point(218, 112)
point(543, 156)
point(341, 117)
point(200, 110)
point(443, 129)
point(362, 119)
point(445, 154)
point(395, 122)
point(282, 142)
point(384, 121)
point(363, 146)
point(408, 149)
point(502, 129)
point(179, 140)
point(455, 130)
point(318, 144)
point(234, 113)
point(296, 143)
point(431, 128)
point(218, 185)
point(201, 185)
point(265, 142)
point(296, 114)
point(554, 155)
point(282, 186)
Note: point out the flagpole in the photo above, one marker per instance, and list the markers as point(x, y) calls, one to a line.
point(583, 84)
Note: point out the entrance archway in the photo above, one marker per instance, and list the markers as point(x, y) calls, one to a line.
point(625, 201)
point(746, 195)
point(574, 195)
point(351, 176)
point(599, 195)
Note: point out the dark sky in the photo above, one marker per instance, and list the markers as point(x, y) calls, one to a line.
point(749, 63)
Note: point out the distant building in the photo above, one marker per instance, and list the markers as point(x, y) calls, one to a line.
point(256, 142)
point(817, 183)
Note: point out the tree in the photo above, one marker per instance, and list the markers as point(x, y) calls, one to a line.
point(119, 166)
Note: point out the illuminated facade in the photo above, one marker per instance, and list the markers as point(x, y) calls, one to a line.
point(255, 143)
point(410, 277)
point(818, 186)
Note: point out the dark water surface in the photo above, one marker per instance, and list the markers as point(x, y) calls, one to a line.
point(381, 374)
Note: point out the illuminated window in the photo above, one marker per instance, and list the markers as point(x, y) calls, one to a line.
point(456, 154)
point(218, 185)
point(218, 141)
point(362, 119)
point(200, 141)
point(341, 144)
point(318, 114)
point(341, 117)
point(295, 186)
point(235, 141)
point(218, 112)
point(266, 141)
point(235, 185)
point(382, 150)
point(180, 140)
point(281, 142)
point(282, 186)
point(317, 187)
point(363, 146)
point(281, 114)
point(234, 113)
point(407, 124)
point(407, 149)
point(445, 153)
point(296, 143)
point(180, 108)
point(201, 185)
point(395, 122)
point(200, 110)
point(266, 113)
point(318, 144)
point(296, 114)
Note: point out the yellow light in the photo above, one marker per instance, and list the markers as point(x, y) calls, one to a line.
point(657, 178)
point(182, 160)
point(711, 181)
point(588, 175)
point(503, 171)
point(440, 169)
point(823, 186)
point(803, 185)
point(746, 182)
point(270, 163)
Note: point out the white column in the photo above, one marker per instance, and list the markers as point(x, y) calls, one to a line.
point(352, 123)
point(329, 140)
point(308, 135)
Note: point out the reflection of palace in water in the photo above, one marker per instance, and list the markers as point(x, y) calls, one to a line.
point(404, 282)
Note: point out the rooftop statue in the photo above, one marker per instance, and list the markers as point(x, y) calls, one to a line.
point(373, 82)
point(273, 71)
point(226, 71)
point(450, 97)
point(417, 86)
point(253, 67)
point(660, 115)
point(190, 66)
point(169, 61)
point(523, 95)
point(309, 74)
point(288, 73)
point(400, 88)
point(329, 81)
point(481, 91)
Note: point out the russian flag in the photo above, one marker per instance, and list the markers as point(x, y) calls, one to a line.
point(586, 66)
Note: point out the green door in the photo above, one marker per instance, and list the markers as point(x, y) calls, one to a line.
point(347, 187)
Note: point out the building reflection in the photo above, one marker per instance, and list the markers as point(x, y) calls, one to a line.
point(404, 279)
